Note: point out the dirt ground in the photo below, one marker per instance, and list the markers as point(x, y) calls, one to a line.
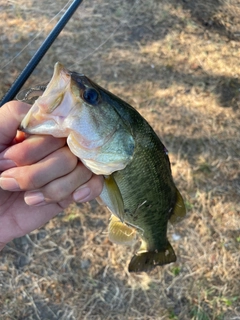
point(178, 63)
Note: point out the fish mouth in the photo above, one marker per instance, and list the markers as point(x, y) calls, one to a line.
point(48, 109)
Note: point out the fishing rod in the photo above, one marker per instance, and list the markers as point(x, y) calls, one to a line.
point(34, 61)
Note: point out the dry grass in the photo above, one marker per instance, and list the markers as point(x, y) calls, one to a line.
point(178, 64)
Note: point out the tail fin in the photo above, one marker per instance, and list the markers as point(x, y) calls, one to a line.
point(146, 261)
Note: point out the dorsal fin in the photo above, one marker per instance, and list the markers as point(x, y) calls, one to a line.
point(179, 210)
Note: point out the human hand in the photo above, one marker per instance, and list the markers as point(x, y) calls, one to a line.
point(39, 176)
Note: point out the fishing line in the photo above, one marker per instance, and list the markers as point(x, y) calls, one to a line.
point(16, 86)
point(36, 36)
point(27, 71)
point(121, 23)
point(85, 57)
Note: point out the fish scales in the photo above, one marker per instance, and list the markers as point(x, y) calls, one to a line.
point(111, 138)
point(139, 182)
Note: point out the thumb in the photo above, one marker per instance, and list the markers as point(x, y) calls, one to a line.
point(11, 115)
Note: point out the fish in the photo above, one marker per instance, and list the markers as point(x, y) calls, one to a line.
point(112, 139)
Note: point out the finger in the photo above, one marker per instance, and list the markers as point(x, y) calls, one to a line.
point(60, 189)
point(18, 219)
point(11, 115)
point(90, 190)
point(30, 150)
point(35, 176)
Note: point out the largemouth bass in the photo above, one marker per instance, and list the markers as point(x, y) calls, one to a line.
point(112, 139)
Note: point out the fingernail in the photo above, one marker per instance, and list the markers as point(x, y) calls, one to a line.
point(6, 164)
point(9, 184)
point(81, 194)
point(34, 198)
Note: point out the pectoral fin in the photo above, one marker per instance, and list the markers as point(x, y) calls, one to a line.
point(147, 260)
point(111, 197)
point(120, 233)
point(179, 210)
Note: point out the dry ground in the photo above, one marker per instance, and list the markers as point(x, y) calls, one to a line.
point(178, 63)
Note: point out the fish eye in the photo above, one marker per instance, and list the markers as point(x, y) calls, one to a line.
point(90, 95)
